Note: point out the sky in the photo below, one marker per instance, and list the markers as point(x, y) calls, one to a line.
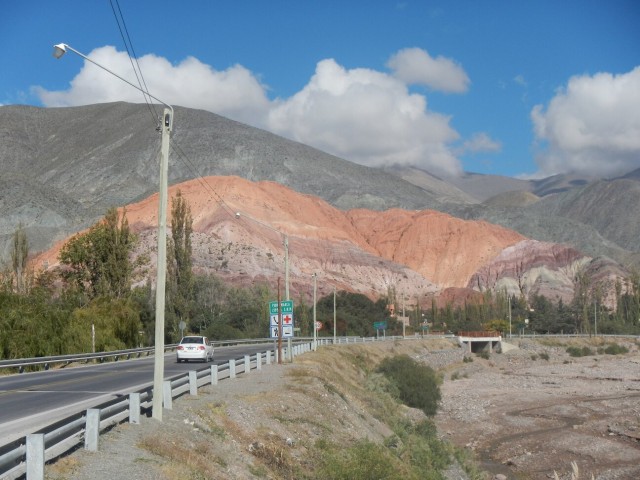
point(525, 89)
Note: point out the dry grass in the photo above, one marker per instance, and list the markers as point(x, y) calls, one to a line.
point(573, 475)
point(63, 468)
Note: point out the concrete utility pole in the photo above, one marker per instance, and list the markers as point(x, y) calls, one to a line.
point(165, 127)
point(315, 329)
point(334, 315)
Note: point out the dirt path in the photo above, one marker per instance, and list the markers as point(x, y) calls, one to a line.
point(527, 417)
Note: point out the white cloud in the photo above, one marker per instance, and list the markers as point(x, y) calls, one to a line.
point(481, 142)
point(416, 66)
point(362, 115)
point(520, 80)
point(367, 117)
point(592, 126)
point(234, 92)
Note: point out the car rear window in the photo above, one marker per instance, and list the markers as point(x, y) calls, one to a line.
point(192, 340)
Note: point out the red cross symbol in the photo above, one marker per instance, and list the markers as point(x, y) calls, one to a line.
point(286, 320)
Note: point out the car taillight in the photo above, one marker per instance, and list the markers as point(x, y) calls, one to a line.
point(180, 347)
point(201, 347)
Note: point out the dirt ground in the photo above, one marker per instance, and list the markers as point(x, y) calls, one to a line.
point(527, 417)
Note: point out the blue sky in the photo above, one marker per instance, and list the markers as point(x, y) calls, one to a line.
point(516, 88)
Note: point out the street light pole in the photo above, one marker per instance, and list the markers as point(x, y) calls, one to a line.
point(165, 127)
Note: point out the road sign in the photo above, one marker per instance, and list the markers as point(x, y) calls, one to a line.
point(286, 306)
point(286, 311)
point(318, 325)
point(380, 325)
point(287, 331)
point(287, 319)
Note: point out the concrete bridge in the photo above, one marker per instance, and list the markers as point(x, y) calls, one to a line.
point(476, 342)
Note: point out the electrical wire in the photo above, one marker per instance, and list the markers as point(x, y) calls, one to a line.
point(132, 57)
point(126, 38)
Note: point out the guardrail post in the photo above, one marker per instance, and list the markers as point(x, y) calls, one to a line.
point(35, 456)
point(193, 383)
point(134, 408)
point(214, 374)
point(247, 364)
point(258, 361)
point(232, 368)
point(167, 398)
point(275, 355)
point(92, 429)
point(268, 360)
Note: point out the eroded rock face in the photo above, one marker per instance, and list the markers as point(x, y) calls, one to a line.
point(531, 267)
point(419, 253)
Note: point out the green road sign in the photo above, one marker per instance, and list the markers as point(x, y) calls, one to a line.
point(286, 306)
point(380, 325)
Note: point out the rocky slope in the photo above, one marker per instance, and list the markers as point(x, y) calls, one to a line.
point(419, 253)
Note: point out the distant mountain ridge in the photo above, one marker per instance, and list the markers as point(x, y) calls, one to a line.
point(63, 167)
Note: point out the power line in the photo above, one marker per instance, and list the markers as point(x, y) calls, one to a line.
point(124, 33)
point(132, 56)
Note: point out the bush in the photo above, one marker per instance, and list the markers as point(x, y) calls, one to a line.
point(484, 354)
point(544, 356)
point(363, 461)
point(616, 349)
point(579, 351)
point(417, 385)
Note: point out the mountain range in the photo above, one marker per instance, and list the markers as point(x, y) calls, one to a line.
point(63, 167)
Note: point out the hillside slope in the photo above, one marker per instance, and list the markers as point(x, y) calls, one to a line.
point(418, 253)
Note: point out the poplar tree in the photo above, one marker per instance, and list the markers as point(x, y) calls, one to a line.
point(19, 254)
point(181, 263)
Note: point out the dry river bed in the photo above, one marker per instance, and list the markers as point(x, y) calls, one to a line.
point(530, 418)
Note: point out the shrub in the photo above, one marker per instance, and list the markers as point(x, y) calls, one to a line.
point(363, 461)
point(544, 356)
point(484, 354)
point(467, 359)
point(616, 349)
point(579, 351)
point(417, 385)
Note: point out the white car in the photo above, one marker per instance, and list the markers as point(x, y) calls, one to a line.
point(194, 347)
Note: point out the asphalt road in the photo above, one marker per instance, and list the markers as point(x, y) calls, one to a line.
point(30, 401)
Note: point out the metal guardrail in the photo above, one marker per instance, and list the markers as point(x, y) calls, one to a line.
point(68, 433)
point(21, 363)
point(46, 362)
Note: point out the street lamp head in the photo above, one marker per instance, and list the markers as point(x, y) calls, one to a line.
point(237, 214)
point(59, 50)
